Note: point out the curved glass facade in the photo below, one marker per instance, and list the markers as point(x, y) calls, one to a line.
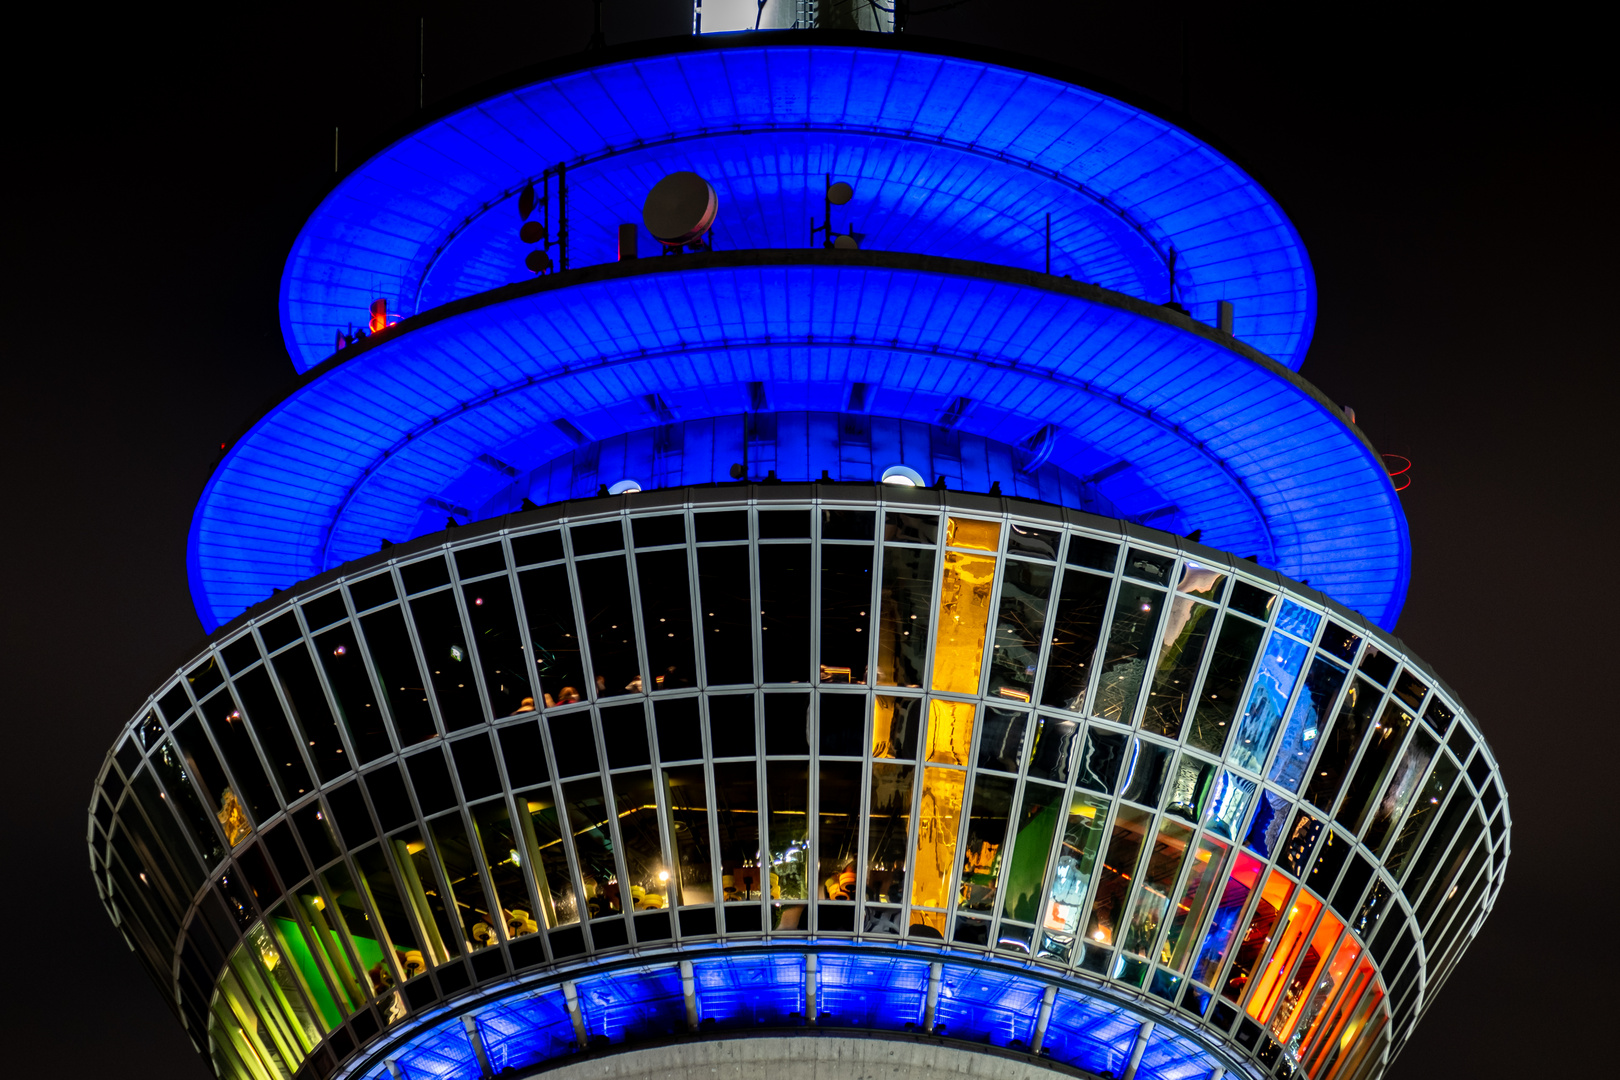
point(870, 733)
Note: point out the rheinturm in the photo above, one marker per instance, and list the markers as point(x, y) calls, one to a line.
point(808, 551)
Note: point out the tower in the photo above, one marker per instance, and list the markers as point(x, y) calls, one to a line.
point(968, 640)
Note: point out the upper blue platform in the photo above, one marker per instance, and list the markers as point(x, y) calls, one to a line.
point(949, 156)
point(1174, 422)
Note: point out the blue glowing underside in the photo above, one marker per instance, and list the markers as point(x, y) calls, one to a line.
point(948, 157)
point(976, 1005)
point(1240, 448)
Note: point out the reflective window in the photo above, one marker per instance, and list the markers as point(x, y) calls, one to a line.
point(784, 606)
point(231, 734)
point(1292, 940)
point(838, 790)
point(1152, 904)
point(1148, 566)
point(1020, 621)
point(737, 815)
point(1269, 911)
point(1230, 805)
point(549, 608)
point(1302, 1025)
point(609, 625)
point(888, 822)
point(1125, 842)
point(1071, 875)
point(896, 727)
point(787, 796)
point(1425, 809)
point(1198, 895)
point(1279, 669)
point(1251, 599)
point(846, 605)
point(1377, 761)
point(1190, 787)
point(908, 528)
point(1355, 719)
point(666, 617)
point(1146, 772)
point(986, 837)
point(1305, 723)
point(463, 868)
point(1300, 842)
point(1101, 759)
point(403, 688)
point(687, 795)
point(1376, 665)
point(1037, 543)
point(939, 819)
point(1270, 815)
point(344, 663)
point(311, 715)
point(1230, 662)
point(542, 834)
point(398, 914)
point(1181, 650)
point(1127, 653)
point(262, 710)
point(1076, 628)
point(1402, 788)
point(1057, 743)
point(1228, 909)
point(728, 640)
point(492, 614)
point(1038, 820)
point(1001, 741)
point(593, 845)
point(198, 819)
point(950, 731)
point(904, 611)
point(636, 809)
point(966, 584)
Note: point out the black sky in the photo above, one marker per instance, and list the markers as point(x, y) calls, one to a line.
point(1447, 171)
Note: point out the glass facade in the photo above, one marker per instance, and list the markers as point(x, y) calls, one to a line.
point(824, 719)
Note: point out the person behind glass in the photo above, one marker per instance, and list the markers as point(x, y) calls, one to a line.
point(566, 696)
point(527, 705)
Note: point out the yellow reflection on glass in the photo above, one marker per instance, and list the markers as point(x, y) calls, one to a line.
point(967, 533)
point(966, 585)
point(935, 920)
point(896, 724)
point(937, 821)
point(950, 732)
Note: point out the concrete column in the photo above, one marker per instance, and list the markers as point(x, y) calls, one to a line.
point(571, 996)
point(476, 1037)
point(810, 989)
point(935, 972)
point(1044, 1017)
point(689, 992)
point(1142, 1034)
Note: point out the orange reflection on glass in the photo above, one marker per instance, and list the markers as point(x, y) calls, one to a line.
point(1334, 1035)
point(966, 585)
point(967, 533)
point(1296, 924)
point(937, 821)
point(950, 732)
point(1288, 1006)
point(894, 727)
point(1267, 914)
point(1310, 1017)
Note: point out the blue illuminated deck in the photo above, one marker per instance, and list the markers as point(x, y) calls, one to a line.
point(1240, 447)
point(949, 156)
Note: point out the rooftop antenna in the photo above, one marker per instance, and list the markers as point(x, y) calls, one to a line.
point(334, 151)
point(598, 40)
point(421, 64)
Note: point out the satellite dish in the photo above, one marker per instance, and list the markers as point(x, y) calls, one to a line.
point(840, 193)
point(532, 232)
point(526, 201)
point(680, 208)
point(537, 261)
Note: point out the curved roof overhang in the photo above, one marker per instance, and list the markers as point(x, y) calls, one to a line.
point(1248, 452)
point(950, 154)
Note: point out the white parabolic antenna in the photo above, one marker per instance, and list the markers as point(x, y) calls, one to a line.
point(680, 208)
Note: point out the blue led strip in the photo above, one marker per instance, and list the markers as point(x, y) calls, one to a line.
point(949, 156)
point(1245, 450)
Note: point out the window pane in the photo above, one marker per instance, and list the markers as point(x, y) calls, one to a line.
point(888, 823)
point(311, 716)
point(501, 847)
point(1292, 940)
point(896, 727)
point(787, 786)
point(1227, 672)
point(542, 832)
point(1101, 760)
point(1343, 740)
point(966, 582)
point(1403, 786)
point(1425, 808)
point(593, 845)
point(281, 746)
point(1037, 822)
point(938, 819)
point(398, 930)
point(1181, 651)
point(349, 932)
point(464, 873)
point(1125, 842)
point(986, 839)
point(449, 661)
point(199, 820)
point(1001, 745)
point(1274, 682)
point(666, 616)
point(1071, 877)
point(1307, 1018)
point(637, 810)
point(403, 689)
point(1245, 874)
point(1377, 761)
point(345, 668)
point(737, 809)
point(839, 814)
point(1197, 894)
point(950, 732)
point(904, 607)
point(549, 608)
point(1268, 912)
point(1125, 657)
point(784, 611)
point(728, 638)
point(846, 607)
point(1230, 806)
point(1305, 723)
point(1020, 620)
point(609, 624)
point(1152, 904)
point(493, 614)
point(230, 732)
point(1289, 1000)
point(1076, 628)
point(1146, 772)
point(687, 793)
point(426, 895)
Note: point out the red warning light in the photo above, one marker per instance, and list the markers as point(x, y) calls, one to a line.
point(1399, 469)
point(379, 315)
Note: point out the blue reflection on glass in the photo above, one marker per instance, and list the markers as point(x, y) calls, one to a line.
point(1298, 620)
point(1306, 722)
point(526, 1030)
point(1172, 1057)
point(1231, 802)
point(639, 1002)
point(978, 1004)
point(1279, 670)
point(1090, 1034)
point(443, 1052)
point(1269, 818)
point(741, 991)
point(871, 992)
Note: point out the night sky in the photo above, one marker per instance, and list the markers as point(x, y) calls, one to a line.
point(1447, 173)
